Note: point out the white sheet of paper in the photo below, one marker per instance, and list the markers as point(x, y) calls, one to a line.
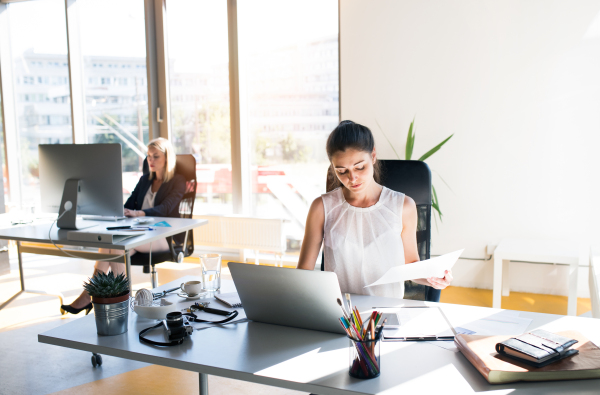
point(419, 321)
point(433, 267)
point(499, 325)
point(445, 344)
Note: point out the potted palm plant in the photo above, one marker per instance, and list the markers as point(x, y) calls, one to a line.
point(110, 295)
point(410, 143)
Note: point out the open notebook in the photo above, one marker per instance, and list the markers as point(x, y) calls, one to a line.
point(231, 299)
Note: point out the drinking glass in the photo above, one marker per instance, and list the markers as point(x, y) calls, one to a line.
point(211, 271)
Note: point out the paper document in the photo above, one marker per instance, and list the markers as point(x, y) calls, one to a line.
point(419, 323)
point(433, 267)
point(485, 323)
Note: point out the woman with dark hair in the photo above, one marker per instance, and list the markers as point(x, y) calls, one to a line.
point(366, 228)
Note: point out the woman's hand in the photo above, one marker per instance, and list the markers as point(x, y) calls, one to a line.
point(134, 213)
point(441, 283)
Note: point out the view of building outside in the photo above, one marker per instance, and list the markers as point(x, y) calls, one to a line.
point(113, 44)
point(199, 89)
point(292, 93)
point(41, 81)
point(291, 50)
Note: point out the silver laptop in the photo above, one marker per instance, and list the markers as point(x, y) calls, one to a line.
point(291, 297)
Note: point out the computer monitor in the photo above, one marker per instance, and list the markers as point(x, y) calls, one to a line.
point(90, 176)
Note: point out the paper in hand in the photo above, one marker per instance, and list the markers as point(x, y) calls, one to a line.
point(434, 267)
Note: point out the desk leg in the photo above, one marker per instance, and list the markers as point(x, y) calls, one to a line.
point(505, 278)
point(573, 277)
point(203, 383)
point(22, 279)
point(128, 270)
point(20, 256)
point(497, 288)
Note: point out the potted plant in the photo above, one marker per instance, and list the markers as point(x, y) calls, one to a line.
point(110, 295)
point(410, 143)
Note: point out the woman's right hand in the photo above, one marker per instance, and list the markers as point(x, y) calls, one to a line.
point(133, 213)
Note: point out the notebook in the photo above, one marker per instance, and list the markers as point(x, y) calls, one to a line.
point(231, 299)
point(500, 369)
point(537, 348)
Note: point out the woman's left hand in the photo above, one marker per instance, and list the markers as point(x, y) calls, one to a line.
point(134, 213)
point(441, 283)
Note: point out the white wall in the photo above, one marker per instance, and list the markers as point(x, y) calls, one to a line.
point(518, 83)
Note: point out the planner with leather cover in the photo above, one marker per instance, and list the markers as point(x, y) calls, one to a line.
point(501, 369)
point(537, 348)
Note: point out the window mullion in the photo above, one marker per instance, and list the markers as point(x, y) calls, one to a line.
point(240, 141)
point(76, 84)
point(157, 61)
point(9, 120)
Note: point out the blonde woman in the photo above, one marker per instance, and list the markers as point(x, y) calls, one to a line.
point(157, 194)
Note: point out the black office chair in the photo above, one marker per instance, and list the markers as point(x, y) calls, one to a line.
point(186, 166)
point(412, 178)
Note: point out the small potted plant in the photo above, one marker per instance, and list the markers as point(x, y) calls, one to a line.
point(110, 295)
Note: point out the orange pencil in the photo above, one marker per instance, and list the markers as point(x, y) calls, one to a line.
point(358, 315)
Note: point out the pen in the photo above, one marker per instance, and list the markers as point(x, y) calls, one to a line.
point(144, 227)
point(118, 227)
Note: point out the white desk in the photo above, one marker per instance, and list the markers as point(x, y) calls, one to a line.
point(317, 362)
point(539, 251)
point(38, 233)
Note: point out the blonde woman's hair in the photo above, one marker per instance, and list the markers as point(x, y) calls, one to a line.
point(164, 146)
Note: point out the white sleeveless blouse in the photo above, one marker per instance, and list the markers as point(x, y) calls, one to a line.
point(361, 244)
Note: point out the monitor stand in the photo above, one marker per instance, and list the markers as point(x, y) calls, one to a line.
point(69, 219)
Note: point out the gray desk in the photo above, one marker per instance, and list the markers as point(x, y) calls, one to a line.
point(38, 233)
point(317, 362)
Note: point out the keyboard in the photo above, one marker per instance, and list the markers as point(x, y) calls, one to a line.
point(101, 218)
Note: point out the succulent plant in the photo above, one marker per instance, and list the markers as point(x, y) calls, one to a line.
point(107, 285)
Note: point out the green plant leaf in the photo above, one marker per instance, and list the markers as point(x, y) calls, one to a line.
point(388, 140)
point(444, 181)
point(410, 141)
point(435, 203)
point(435, 149)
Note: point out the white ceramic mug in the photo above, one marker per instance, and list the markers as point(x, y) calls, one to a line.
point(192, 288)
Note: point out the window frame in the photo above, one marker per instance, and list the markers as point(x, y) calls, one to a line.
point(157, 66)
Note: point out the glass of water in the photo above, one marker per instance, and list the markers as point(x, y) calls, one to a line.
point(211, 271)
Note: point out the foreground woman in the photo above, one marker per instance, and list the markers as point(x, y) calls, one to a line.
point(366, 228)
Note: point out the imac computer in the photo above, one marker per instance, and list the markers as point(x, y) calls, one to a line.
point(81, 179)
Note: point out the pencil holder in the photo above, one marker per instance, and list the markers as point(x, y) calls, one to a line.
point(365, 358)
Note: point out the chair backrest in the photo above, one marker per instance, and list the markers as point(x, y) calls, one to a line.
point(412, 178)
point(186, 166)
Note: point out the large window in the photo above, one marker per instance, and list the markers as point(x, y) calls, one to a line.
point(289, 96)
point(291, 50)
point(199, 78)
point(115, 79)
point(3, 162)
point(41, 78)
